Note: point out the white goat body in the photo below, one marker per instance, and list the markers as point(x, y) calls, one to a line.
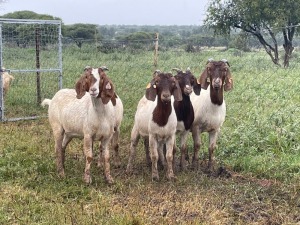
point(91, 116)
point(207, 115)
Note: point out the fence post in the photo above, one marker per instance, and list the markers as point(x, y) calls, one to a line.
point(156, 51)
point(37, 59)
point(1, 79)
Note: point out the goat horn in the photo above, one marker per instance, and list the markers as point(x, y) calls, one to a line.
point(225, 61)
point(210, 60)
point(156, 72)
point(103, 68)
point(188, 69)
point(87, 68)
point(177, 70)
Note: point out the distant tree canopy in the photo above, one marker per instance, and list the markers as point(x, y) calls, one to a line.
point(81, 32)
point(262, 19)
point(109, 38)
point(29, 15)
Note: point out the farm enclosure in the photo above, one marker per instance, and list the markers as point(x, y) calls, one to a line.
point(31, 50)
point(258, 146)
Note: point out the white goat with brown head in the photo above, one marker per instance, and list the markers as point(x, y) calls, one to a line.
point(209, 107)
point(155, 118)
point(86, 112)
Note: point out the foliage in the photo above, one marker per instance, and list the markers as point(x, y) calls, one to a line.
point(25, 14)
point(241, 42)
point(80, 32)
point(260, 19)
point(22, 34)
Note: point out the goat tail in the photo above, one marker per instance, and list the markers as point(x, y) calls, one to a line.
point(45, 102)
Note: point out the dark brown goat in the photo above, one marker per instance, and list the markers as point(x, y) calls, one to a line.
point(184, 109)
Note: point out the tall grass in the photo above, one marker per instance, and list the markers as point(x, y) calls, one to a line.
point(259, 145)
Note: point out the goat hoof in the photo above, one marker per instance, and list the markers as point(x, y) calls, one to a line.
point(195, 164)
point(129, 170)
point(117, 164)
point(183, 165)
point(210, 166)
point(109, 179)
point(155, 177)
point(183, 168)
point(87, 179)
point(61, 174)
point(171, 177)
point(100, 163)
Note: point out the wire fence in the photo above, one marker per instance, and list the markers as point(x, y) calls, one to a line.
point(264, 104)
point(31, 50)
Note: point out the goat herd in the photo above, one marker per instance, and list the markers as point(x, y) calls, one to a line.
point(171, 104)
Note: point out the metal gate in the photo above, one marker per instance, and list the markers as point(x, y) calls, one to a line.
point(30, 66)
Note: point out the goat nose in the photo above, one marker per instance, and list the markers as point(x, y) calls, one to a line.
point(93, 89)
point(165, 95)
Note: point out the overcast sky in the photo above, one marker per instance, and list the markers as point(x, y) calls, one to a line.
point(107, 12)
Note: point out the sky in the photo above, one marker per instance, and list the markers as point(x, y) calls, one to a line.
point(118, 12)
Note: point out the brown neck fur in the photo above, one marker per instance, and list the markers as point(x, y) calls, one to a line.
point(216, 96)
point(162, 112)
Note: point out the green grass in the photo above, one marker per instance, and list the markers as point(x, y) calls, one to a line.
point(258, 147)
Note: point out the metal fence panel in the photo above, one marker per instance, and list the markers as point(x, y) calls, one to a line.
point(31, 52)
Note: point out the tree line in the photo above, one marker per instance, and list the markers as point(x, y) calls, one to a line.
point(241, 24)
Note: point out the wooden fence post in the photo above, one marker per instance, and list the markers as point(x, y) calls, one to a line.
point(156, 51)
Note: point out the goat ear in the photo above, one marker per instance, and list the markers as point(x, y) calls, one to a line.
point(197, 88)
point(177, 92)
point(151, 92)
point(108, 92)
point(113, 99)
point(203, 79)
point(228, 81)
point(80, 87)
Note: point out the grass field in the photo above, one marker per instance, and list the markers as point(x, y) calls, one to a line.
point(257, 173)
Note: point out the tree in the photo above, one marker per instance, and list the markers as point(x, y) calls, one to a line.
point(23, 34)
point(25, 14)
point(81, 32)
point(263, 19)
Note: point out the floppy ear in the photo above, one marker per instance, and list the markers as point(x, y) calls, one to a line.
point(151, 91)
point(203, 79)
point(107, 91)
point(81, 86)
point(113, 99)
point(197, 88)
point(196, 85)
point(228, 81)
point(177, 91)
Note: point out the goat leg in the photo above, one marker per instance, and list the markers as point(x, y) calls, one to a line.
point(154, 157)
point(169, 156)
point(88, 158)
point(197, 144)
point(58, 136)
point(115, 147)
point(212, 145)
point(134, 142)
point(106, 158)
